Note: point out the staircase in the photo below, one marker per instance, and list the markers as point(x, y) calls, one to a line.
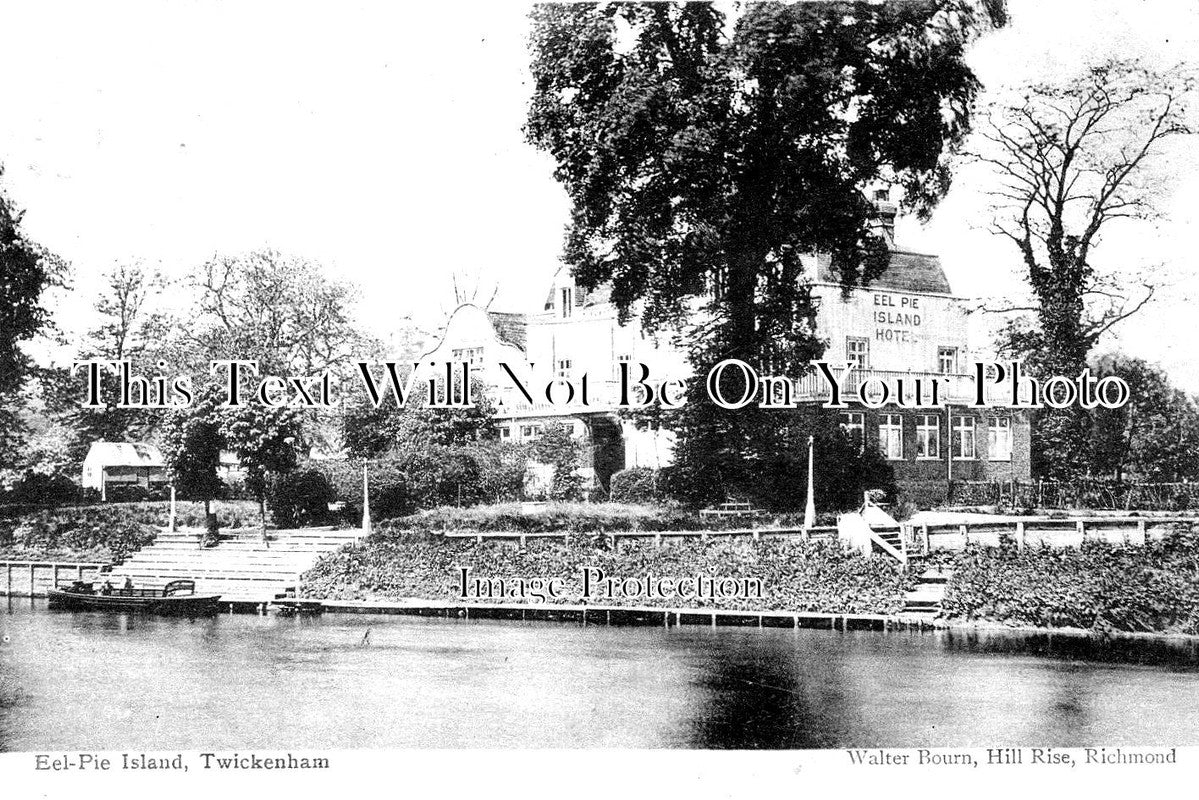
point(241, 569)
point(890, 542)
point(924, 602)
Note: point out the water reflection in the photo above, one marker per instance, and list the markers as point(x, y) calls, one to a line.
point(100, 681)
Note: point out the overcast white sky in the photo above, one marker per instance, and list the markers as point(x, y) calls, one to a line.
point(385, 140)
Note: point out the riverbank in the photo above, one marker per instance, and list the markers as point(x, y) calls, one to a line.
point(791, 575)
point(107, 532)
point(1100, 588)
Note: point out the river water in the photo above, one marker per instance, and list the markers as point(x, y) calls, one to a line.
point(95, 681)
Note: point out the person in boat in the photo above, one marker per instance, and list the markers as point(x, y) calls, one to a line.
point(128, 587)
point(106, 588)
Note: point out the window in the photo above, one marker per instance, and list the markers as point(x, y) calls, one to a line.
point(890, 436)
point(947, 360)
point(505, 432)
point(928, 436)
point(963, 437)
point(620, 359)
point(857, 352)
point(999, 439)
point(564, 367)
point(854, 425)
point(567, 301)
point(472, 355)
point(530, 431)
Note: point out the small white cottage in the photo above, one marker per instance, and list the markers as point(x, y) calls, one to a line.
point(111, 464)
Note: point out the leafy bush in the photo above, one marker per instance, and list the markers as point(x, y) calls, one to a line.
point(635, 485)
point(796, 575)
point(100, 534)
point(301, 497)
point(1154, 587)
point(36, 488)
point(427, 477)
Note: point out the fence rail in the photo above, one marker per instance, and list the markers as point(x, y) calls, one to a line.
point(33, 578)
point(1021, 531)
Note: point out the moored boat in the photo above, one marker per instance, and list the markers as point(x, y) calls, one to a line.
point(177, 597)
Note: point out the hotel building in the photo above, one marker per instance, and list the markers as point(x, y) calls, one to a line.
point(906, 324)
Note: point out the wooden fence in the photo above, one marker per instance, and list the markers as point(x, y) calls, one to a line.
point(33, 578)
point(1020, 531)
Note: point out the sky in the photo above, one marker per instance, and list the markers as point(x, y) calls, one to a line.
point(384, 140)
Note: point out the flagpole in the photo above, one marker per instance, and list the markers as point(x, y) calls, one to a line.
point(366, 504)
point(809, 514)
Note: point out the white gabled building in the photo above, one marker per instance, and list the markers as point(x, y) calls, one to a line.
point(109, 464)
point(906, 324)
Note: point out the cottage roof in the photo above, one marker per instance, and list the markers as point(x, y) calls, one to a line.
point(124, 454)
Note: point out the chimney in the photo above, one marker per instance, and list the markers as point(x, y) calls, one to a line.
point(885, 212)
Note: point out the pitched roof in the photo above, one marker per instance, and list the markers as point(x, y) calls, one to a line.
point(510, 327)
point(125, 454)
point(907, 272)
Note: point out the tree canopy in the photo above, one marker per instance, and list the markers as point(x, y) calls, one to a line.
point(705, 158)
point(26, 271)
point(701, 163)
point(1072, 160)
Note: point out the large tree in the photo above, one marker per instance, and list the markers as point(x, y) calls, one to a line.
point(132, 326)
point(1074, 159)
point(191, 439)
point(267, 442)
point(26, 271)
point(704, 157)
point(284, 311)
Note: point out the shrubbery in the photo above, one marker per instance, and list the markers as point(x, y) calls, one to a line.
point(635, 485)
point(36, 488)
point(103, 533)
point(108, 531)
point(300, 498)
point(796, 575)
point(415, 478)
point(1154, 587)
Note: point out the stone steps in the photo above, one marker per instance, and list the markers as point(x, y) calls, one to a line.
point(926, 598)
point(242, 569)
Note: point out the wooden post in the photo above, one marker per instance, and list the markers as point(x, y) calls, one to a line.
point(81, 573)
point(965, 533)
point(713, 619)
point(32, 566)
point(1019, 535)
point(522, 540)
point(657, 539)
point(1082, 533)
point(54, 576)
point(924, 536)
